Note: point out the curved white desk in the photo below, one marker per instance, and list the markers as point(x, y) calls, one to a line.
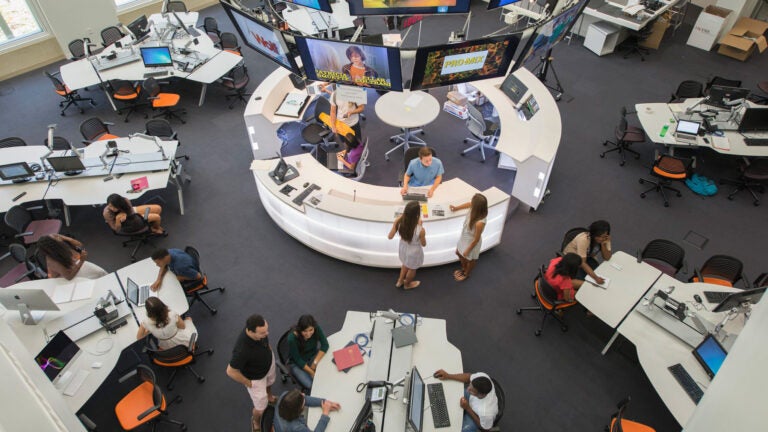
point(312, 22)
point(352, 220)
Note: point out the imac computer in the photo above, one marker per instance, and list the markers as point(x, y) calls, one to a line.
point(414, 419)
point(737, 298)
point(57, 355)
point(283, 172)
point(25, 301)
point(710, 354)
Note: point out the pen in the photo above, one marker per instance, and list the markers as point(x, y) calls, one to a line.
point(596, 285)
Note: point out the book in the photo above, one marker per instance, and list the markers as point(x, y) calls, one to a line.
point(347, 357)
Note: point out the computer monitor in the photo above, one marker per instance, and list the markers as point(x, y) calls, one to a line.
point(70, 165)
point(407, 7)
point(17, 171)
point(710, 354)
point(159, 56)
point(57, 355)
point(754, 120)
point(513, 88)
point(734, 300)
point(322, 5)
point(415, 413)
point(494, 4)
point(720, 95)
point(25, 301)
point(688, 127)
point(442, 65)
point(362, 417)
point(139, 27)
point(550, 33)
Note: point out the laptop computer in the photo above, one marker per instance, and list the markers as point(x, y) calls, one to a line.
point(138, 295)
point(687, 130)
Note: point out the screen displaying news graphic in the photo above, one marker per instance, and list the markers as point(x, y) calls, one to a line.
point(551, 32)
point(349, 63)
point(387, 4)
point(263, 40)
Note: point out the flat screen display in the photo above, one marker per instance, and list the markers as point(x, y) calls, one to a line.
point(754, 120)
point(710, 354)
point(15, 171)
point(493, 4)
point(443, 65)
point(66, 163)
point(323, 5)
point(351, 63)
point(407, 7)
point(550, 33)
point(688, 127)
point(262, 38)
point(56, 355)
point(156, 56)
point(416, 401)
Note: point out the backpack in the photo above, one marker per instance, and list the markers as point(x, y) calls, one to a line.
point(701, 185)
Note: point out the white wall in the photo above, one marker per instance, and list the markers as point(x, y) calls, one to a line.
point(83, 18)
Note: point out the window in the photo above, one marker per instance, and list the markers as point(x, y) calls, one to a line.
point(17, 20)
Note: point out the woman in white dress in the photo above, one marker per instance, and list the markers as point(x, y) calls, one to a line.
point(470, 241)
point(166, 325)
point(412, 242)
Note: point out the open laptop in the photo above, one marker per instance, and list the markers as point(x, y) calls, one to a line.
point(138, 295)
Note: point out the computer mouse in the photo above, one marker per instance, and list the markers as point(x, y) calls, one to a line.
point(706, 140)
point(697, 298)
point(35, 167)
point(306, 184)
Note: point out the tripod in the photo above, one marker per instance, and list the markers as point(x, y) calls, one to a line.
point(543, 68)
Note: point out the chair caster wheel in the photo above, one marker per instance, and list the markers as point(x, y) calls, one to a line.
point(213, 312)
point(463, 154)
point(730, 198)
point(519, 311)
point(283, 379)
point(642, 195)
point(622, 163)
point(82, 111)
point(679, 194)
point(63, 115)
point(465, 141)
point(391, 140)
point(537, 333)
point(533, 295)
point(666, 204)
point(422, 132)
point(210, 353)
point(201, 380)
point(605, 143)
point(637, 156)
point(482, 161)
point(183, 428)
point(642, 181)
point(386, 158)
point(756, 203)
point(602, 155)
point(169, 387)
point(558, 96)
point(564, 328)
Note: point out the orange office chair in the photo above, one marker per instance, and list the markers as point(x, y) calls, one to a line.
point(230, 43)
point(197, 289)
point(127, 93)
point(93, 129)
point(721, 270)
point(546, 297)
point(70, 96)
point(145, 403)
point(165, 102)
point(667, 169)
point(620, 424)
point(178, 357)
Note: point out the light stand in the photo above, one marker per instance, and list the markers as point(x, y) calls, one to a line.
point(543, 68)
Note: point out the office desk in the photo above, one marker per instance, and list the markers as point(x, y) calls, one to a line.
point(407, 111)
point(93, 190)
point(654, 116)
point(144, 272)
point(432, 352)
point(312, 22)
point(607, 12)
point(352, 219)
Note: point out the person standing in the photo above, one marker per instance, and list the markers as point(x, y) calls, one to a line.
point(253, 365)
point(412, 242)
point(470, 241)
point(347, 112)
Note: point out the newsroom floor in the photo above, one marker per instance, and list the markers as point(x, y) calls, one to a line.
point(558, 381)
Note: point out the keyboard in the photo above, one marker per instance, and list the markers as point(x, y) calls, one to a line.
point(299, 200)
point(715, 296)
point(155, 73)
point(104, 64)
point(438, 406)
point(415, 197)
point(686, 382)
point(756, 141)
point(76, 382)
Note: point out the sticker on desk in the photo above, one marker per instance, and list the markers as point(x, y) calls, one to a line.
point(594, 282)
point(139, 184)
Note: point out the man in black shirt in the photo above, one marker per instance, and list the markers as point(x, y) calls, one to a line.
point(253, 365)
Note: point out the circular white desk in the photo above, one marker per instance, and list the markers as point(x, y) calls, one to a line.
point(408, 111)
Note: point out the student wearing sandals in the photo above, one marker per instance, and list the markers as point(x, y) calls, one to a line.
point(166, 325)
point(412, 242)
point(470, 242)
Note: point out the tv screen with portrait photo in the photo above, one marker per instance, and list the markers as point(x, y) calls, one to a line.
point(323, 5)
point(407, 7)
point(442, 65)
point(550, 33)
point(356, 64)
point(262, 38)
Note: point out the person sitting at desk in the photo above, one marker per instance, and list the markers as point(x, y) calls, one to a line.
point(307, 345)
point(346, 112)
point(561, 274)
point(65, 257)
point(424, 171)
point(119, 214)
point(165, 325)
point(587, 244)
point(351, 156)
point(179, 263)
point(479, 402)
point(290, 407)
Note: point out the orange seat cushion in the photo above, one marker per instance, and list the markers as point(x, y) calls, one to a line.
point(107, 137)
point(630, 426)
point(669, 175)
point(126, 96)
point(183, 362)
point(714, 281)
point(233, 52)
point(165, 100)
point(133, 404)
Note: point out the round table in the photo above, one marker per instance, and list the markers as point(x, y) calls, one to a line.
point(408, 111)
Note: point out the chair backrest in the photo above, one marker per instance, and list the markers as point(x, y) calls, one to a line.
point(111, 35)
point(722, 267)
point(77, 49)
point(410, 154)
point(501, 398)
point(122, 89)
point(475, 122)
point(151, 86)
point(59, 143)
point(616, 418)
point(240, 78)
point(671, 167)
point(195, 256)
point(761, 281)
point(570, 235)
point(544, 290)
point(12, 142)
point(621, 128)
point(93, 128)
point(362, 163)
point(210, 25)
point(322, 105)
point(159, 128)
point(176, 6)
point(171, 357)
point(268, 416)
point(720, 81)
point(665, 255)
point(17, 217)
point(229, 41)
point(57, 84)
point(283, 350)
point(689, 89)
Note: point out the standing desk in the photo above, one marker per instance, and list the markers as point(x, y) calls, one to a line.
point(408, 111)
point(430, 353)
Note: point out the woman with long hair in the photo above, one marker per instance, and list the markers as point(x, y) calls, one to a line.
point(412, 242)
point(65, 257)
point(166, 325)
point(120, 214)
point(470, 241)
point(307, 345)
point(561, 275)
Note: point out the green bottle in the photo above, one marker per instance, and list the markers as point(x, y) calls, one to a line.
point(664, 130)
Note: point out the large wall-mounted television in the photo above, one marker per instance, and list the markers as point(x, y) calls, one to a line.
point(357, 64)
point(494, 4)
point(550, 33)
point(442, 65)
point(262, 38)
point(407, 7)
point(322, 5)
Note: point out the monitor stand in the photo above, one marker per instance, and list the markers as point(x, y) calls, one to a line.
point(72, 173)
point(21, 180)
point(290, 174)
point(28, 316)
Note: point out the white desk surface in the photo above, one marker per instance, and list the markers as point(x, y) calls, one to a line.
point(271, 91)
point(407, 109)
point(144, 272)
point(432, 352)
point(310, 21)
point(654, 116)
point(83, 190)
point(626, 287)
point(607, 12)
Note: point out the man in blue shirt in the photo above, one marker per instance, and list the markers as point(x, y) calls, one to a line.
point(179, 263)
point(424, 171)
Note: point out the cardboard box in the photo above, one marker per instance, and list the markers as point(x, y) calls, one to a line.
point(709, 27)
point(657, 34)
point(747, 35)
point(457, 98)
point(459, 111)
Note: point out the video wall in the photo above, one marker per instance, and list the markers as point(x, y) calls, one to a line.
point(407, 7)
point(322, 5)
point(550, 33)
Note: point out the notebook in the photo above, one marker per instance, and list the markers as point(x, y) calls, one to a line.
point(404, 336)
point(347, 357)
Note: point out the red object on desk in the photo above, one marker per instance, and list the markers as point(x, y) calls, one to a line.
point(347, 357)
point(139, 184)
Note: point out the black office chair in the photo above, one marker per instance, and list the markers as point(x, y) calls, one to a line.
point(317, 133)
point(753, 174)
point(666, 256)
point(620, 424)
point(362, 164)
point(128, 93)
point(501, 399)
point(20, 219)
point(161, 128)
point(410, 154)
point(635, 40)
point(722, 270)
point(25, 268)
point(70, 96)
point(667, 169)
point(59, 143)
point(195, 290)
point(77, 49)
point(230, 43)
point(211, 27)
point(569, 236)
point(268, 416)
point(178, 357)
point(548, 304)
point(12, 142)
point(138, 231)
point(687, 89)
point(93, 129)
point(720, 81)
point(625, 136)
point(284, 364)
point(111, 35)
point(176, 6)
point(237, 81)
point(484, 132)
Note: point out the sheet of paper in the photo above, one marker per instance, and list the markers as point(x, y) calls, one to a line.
point(83, 290)
point(63, 293)
point(593, 282)
point(414, 100)
point(721, 143)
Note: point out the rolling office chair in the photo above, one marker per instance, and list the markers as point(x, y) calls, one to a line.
point(722, 270)
point(77, 48)
point(361, 165)
point(548, 304)
point(176, 6)
point(211, 27)
point(237, 81)
point(317, 133)
point(687, 89)
point(127, 93)
point(753, 174)
point(625, 136)
point(93, 129)
point(501, 399)
point(59, 143)
point(12, 142)
point(28, 229)
point(24, 270)
point(569, 236)
point(667, 169)
point(268, 416)
point(165, 102)
point(620, 424)
point(664, 255)
point(145, 403)
point(410, 154)
point(195, 290)
point(284, 365)
point(162, 129)
point(110, 35)
point(178, 357)
point(484, 132)
point(720, 81)
point(230, 43)
point(635, 40)
point(141, 235)
point(70, 96)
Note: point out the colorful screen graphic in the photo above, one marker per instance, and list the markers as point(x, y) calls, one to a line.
point(407, 7)
point(468, 61)
point(493, 4)
point(351, 63)
point(322, 5)
point(550, 33)
point(56, 355)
